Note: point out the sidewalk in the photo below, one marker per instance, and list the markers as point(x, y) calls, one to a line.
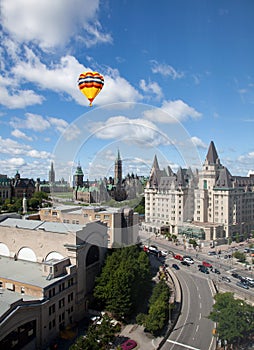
point(144, 340)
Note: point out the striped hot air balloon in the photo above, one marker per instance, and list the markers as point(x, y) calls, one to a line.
point(90, 84)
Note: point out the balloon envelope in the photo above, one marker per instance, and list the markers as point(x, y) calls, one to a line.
point(90, 84)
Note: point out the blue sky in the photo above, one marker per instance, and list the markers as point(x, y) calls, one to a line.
point(178, 74)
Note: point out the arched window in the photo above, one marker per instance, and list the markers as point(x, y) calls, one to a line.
point(55, 256)
point(4, 250)
point(28, 254)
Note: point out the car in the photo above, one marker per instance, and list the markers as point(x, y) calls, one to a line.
point(153, 247)
point(226, 279)
point(185, 263)
point(249, 279)
point(207, 264)
point(235, 275)
point(129, 344)
point(212, 253)
point(246, 250)
point(188, 260)
point(242, 285)
point(215, 271)
point(164, 252)
point(203, 269)
point(175, 266)
point(178, 257)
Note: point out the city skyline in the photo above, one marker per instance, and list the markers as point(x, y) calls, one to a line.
point(177, 76)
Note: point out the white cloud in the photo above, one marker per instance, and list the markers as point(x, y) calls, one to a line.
point(52, 23)
point(38, 154)
point(172, 112)
point(21, 135)
point(138, 131)
point(151, 87)
point(63, 76)
point(37, 123)
point(33, 122)
point(165, 70)
point(60, 124)
point(19, 99)
point(198, 142)
point(12, 147)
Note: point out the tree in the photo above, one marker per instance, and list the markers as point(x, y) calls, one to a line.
point(158, 311)
point(234, 318)
point(98, 337)
point(123, 280)
point(240, 256)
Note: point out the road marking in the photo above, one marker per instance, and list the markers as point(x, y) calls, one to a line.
point(200, 316)
point(183, 345)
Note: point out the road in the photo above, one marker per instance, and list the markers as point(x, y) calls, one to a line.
point(193, 329)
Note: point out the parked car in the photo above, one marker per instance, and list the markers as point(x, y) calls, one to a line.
point(242, 285)
point(226, 279)
point(215, 271)
point(175, 266)
point(207, 264)
point(128, 344)
point(203, 269)
point(246, 250)
point(178, 257)
point(235, 275)
point(211, 253)
point(188, 260)
point(164, 252)
point(183, 262)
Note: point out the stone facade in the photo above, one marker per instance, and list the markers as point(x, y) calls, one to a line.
point(122, 224)
point(46, 277)
point(210, 205)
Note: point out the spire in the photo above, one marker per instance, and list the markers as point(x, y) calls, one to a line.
point(118, 155)
point(212, 156)
point(155, 163)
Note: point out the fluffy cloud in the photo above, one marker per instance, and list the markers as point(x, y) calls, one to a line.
point(138, 131)
point(151, 87)
point(21, 135)
point(166, 70)
point(19, 99)
point(172, 112)
point(198, 142)
point(12, 147)
point(51, 24)
point(33, 122)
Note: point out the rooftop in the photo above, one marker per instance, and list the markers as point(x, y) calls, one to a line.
point(26, 272)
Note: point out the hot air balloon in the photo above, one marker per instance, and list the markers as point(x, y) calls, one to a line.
point(90, 84)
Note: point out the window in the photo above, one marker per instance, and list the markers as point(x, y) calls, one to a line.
point(61, 303)
point(97, 216)
point(70, 282)
point(70, 297)
point(52, 309)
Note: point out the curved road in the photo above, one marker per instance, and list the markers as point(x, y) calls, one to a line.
point(193, 330)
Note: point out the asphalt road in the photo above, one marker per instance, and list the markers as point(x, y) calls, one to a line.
point(193, 329)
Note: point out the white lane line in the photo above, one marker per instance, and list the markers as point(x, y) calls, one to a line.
point(200, 316)
point(183, 345)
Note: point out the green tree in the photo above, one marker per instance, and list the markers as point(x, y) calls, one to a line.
point(234, 318)
point(240, 256)
point(98, 337)
point(124, 277)
point(158, 311)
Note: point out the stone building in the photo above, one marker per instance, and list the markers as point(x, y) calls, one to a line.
point(47, 272)
point(21, 185)
point(210, 205)
point(117, 188)
point(5, 188)
point(122, 223)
